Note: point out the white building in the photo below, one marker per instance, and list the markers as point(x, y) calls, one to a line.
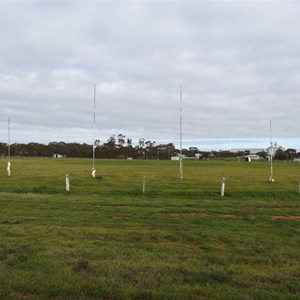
point(251, 157)
point(272, 150)
point(56, 155)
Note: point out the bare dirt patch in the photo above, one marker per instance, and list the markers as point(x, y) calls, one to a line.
point(11, 222)
point(262, 208)
point(198, 246)
point(25, 295)
point(285, 218)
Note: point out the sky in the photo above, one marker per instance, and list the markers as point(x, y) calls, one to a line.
point(237, 62)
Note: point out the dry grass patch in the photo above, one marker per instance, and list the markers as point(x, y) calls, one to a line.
point(285, 217)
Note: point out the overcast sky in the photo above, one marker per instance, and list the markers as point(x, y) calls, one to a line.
point(238, 64)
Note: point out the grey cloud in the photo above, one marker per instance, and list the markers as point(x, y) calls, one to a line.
point(237, 62)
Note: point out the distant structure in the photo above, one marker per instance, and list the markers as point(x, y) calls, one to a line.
point(179, 156)
point(253, 152)
point(251, 157)
point(8, 145)
point(271, 151)
point(56, 155)
point(94, 128)
point(198, 156)
point(175, 157)
point(95, 142)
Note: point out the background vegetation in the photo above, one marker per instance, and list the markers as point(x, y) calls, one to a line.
point(121, 147)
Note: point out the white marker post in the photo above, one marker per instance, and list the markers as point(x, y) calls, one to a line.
point(93, 172)
point(8, 168)
point(8, 148)
point(67, 183)
point(180, 156)
point(95, 142)
point(271, 178)
point(223, 187)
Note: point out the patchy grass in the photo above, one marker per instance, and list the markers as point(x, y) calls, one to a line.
point(181, 240)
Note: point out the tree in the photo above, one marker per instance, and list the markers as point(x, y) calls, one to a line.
point(112, 140)
point(291, 153)
point(280, 155)
point(121, 140)
point(148, 144)
point(262, 154)
point(129, 142)
point(192, 151)
point(141, 142)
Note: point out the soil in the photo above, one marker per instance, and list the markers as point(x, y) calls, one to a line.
point(285, 217)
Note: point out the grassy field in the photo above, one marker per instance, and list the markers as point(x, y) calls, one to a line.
point(180, 240)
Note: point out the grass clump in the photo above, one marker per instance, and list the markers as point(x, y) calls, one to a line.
point(42, 189)
point(81, 265)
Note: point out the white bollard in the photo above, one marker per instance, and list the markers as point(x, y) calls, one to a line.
point(144, 184)
point(93, 173)
point(8, 168)
point(223, 187)
point(67, 183)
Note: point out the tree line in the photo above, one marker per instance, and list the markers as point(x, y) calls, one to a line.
point(120, 147)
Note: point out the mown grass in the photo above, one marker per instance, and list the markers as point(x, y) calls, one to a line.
point(162, 177)
point(181, 240)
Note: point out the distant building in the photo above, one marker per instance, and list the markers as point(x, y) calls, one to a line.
point(251, 157)
point(59, 155)
point(177, 156)
point(272, 150)
point(197, 156)
point(174, 157)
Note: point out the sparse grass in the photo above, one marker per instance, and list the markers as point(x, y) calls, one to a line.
point(181, 240)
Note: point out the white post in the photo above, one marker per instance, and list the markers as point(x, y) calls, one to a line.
point(144, 184)
point(8, 144)
point(67, 183)
point(94, 128)
point(180, 166)
point(271, 179)
point(180, 157)
point(8, 168)
point(223, 187)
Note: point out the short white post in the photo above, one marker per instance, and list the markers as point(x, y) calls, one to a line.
point(223, 187)
point(144, 184)
point(8, 168)
point(67, 183)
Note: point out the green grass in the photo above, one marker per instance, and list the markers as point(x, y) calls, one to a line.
point(181, 240)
